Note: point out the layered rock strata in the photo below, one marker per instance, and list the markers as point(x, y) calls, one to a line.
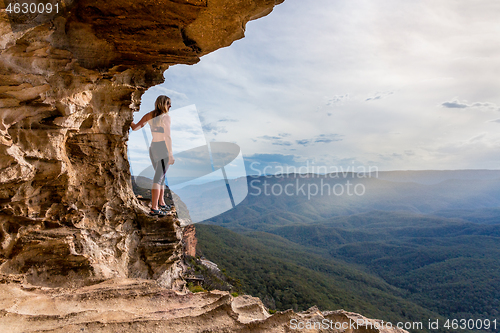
point(144, 306)
point(69, 83)
point(190, 240)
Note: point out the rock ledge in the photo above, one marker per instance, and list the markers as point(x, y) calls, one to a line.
point(135, 305)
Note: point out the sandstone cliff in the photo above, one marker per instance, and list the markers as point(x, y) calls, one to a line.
point(142, 306)
point(69, 220)
point(190, 241)
point(69, 83)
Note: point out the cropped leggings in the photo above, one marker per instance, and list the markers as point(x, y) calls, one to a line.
point(158, 153)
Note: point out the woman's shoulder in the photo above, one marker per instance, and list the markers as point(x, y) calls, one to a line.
point(166, 116)
point(162, 116)
point(149, 116)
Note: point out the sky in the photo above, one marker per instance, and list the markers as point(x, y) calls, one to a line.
point(392, 85)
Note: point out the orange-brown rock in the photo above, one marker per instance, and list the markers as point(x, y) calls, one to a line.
point(189, 239)
point(125, 305)
point(69, 83)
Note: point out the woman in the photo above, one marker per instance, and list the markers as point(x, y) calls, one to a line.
point(160, 151)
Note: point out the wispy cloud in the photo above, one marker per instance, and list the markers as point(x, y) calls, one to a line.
point(389, 157)
point(337, 100)
point(268, 137)
point(379, 95)
point(327, 138)
point(456, 104)
point(214, 129)
point(282, 143)
point(174, 95)
point(477, 138)
point(322, 138)
point(277, 140)
point(229, 120)
point(303, 142)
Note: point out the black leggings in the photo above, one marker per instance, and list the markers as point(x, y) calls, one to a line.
point(158, 153)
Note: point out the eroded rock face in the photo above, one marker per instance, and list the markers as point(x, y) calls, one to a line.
point(190, 241)
point(69, 84)
point(126, 305)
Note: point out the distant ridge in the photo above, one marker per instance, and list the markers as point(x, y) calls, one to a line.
point(430, 177)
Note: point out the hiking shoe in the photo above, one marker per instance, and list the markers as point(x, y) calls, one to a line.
point(157, 212)
point(165, 207)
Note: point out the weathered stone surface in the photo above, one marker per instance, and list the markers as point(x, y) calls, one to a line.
point(69, 83)
point(189, 240)
point(126, 305)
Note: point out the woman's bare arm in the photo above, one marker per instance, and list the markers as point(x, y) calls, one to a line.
point(141, 122)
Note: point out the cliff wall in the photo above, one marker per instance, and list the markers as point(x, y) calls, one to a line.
point(69, 83)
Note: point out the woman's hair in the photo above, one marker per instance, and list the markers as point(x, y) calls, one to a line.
point(161, 107)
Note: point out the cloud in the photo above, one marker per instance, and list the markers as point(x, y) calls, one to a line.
point(214, 129)
point(277, 140)
point(390, 157)
point(303, 142)
point(282, 143)
point(346, 72)
point(337, 100)
point(477, 138)
point(379, 95)
point(486, 104)
point(324, 138)
point(267, 137)
point(456, 104)
point(174, 95)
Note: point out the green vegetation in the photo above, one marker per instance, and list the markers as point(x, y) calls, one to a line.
point(416, 246)
point(207, 278)
point(286, 275)
point(402, 252)
point(195, 288)
point(447, 265)
point(395, 266)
